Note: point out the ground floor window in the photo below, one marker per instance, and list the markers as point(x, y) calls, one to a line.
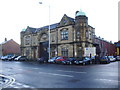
point(79, 51)
point(64, 52)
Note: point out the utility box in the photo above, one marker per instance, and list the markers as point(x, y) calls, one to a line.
point(90, 51)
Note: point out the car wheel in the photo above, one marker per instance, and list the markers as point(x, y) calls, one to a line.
point(90, 62)
point(83, 63)
point(70, 63)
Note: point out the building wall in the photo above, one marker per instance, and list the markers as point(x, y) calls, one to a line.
point(1, 53)
point(80, 35)
point(105, 47)
point(70, 34)
point(11, 47)
point(117, 44)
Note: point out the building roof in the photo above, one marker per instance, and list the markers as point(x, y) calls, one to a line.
point(6, 41)
point(52, 26)
point(31, 29)
point(71, 19)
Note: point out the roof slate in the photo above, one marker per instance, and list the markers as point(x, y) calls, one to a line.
point(52, 26)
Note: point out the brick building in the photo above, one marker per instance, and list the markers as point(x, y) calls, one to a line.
point(9, 47)
point(104, 47)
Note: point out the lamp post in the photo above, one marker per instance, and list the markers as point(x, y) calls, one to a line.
point(48, 31)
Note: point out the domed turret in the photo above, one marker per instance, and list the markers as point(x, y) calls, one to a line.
point(80, 13)
point(23, 29)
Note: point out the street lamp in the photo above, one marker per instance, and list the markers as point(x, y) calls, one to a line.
point(48, 30)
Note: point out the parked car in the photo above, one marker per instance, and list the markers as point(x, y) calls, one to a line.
point(118, 58)
point(111, 58)
point(12, 58)
point(21, 58)
point(69, 61)
point(52, 60)
point(104, 59)
point(83, 61)
point(6, 57)
point(42, 60)
point(3, 57)
point(60, 59)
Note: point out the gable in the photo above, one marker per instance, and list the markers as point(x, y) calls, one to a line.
point(66, 21)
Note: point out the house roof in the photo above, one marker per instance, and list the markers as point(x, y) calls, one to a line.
point(6, 41)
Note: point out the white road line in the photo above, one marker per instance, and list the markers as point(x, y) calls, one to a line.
point(9, 82)
point(56, 74)
point(35, 68)
point(108, 80)
point(18, 83)
point(20, 69)
point(16, 87)
point(71, 71)
point(26, 86)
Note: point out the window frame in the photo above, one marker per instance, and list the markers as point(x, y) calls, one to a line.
point(64, 52)
point(64, 34)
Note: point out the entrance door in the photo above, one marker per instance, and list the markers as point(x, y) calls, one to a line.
point(43, 47)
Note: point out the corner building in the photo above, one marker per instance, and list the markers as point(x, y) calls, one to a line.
point(68, 38)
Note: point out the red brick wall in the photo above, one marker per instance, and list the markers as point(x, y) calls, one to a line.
point(111, 48)
point(11, 47)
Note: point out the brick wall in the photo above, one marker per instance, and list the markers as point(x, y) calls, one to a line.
point(11, 47)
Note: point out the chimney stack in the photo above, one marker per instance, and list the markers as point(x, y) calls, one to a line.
point(5, 39)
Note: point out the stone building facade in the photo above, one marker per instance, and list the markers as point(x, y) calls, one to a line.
point(68, 38)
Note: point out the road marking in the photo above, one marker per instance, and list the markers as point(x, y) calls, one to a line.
point(35, 68)
point(20, 85)
point(109, 73)
point(20, 69)
point(9, 82)
point(56, 74)
point(108, 80)
point(26, 86)
point(71, 71)
point(17, 62)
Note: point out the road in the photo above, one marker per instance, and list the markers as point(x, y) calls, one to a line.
point(35, 75)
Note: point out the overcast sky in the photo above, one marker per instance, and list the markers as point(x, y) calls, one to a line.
point(16, 15)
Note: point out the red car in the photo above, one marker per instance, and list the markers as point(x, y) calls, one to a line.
point(60, 59)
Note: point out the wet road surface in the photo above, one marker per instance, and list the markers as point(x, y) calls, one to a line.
point(35, 75)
